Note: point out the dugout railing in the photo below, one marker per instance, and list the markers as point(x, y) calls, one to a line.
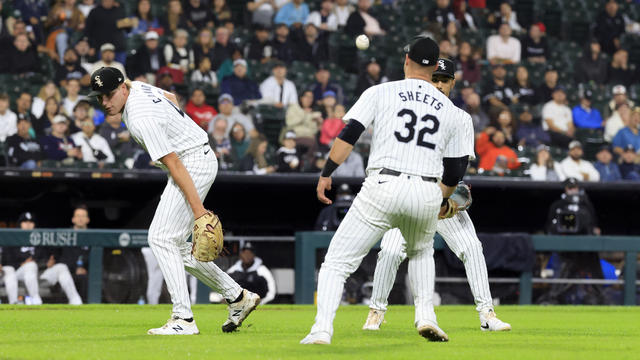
point(306, 246)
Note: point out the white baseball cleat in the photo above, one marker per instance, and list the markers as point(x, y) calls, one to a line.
point(319, 338)
point(374, 320)
point(176, 326)
point(490, 322)
point(240, 310)
point(431, 332)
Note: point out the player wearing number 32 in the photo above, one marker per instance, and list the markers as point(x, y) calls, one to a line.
point(419, 138)
point(180, 147)
point(459, 234)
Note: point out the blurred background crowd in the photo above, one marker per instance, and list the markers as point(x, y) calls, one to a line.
point(551, 86)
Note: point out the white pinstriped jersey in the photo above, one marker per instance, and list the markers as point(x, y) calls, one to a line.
point(414, 127)
point(158, 124)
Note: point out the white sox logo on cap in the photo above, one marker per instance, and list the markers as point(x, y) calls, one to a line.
point(425, 61)
point(441, 65)
point(98, 81)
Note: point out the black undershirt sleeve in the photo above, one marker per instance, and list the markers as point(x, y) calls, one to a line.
point(454, 170)
point(351, 132)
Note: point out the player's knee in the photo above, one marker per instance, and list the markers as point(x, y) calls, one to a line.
point(61, 268)
point(394, 256)
point(31, 267)
point(342, 268)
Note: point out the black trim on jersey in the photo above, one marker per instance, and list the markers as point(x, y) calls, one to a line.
point(351, 132)
point(454, 170)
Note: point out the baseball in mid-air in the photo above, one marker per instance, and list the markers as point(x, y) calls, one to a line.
point(362, 42)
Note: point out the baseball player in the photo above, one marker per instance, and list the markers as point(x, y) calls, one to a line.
point(459, 234)
point(418, 136)
point(179, 146)
point(155, 279)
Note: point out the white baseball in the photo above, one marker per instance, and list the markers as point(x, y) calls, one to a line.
point(362, 42)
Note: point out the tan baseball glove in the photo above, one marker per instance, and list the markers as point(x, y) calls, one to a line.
point(451, 208)
point(460, 200)
point(207, 238)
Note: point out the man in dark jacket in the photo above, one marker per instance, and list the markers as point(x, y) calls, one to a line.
point(22, 150)
point(592, 67)
point(239, 85)
point(609, 27)
point(147, 60)
point(106, 24)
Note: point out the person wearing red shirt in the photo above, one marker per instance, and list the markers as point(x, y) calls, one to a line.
point(494, 154)
point(332, 126)
point(198, 110)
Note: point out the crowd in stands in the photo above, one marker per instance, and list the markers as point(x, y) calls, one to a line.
point(551, 85)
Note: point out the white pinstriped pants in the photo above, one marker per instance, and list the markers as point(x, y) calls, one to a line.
point(460, 235)
point(171, 226)
point(384, 202)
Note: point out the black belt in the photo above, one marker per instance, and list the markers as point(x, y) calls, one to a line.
point(386, 171)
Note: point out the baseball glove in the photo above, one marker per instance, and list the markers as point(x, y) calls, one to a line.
point(207, 238)
point(462, 196)
point(450, 210)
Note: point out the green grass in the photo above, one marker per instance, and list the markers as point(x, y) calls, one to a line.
point(273, 332)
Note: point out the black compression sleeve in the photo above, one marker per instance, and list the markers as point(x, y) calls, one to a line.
point(351, 132)
point(329, 168)
point(454, 170)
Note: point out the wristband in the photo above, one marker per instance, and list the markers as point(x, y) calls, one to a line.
point(329, 168)
point(444, 202)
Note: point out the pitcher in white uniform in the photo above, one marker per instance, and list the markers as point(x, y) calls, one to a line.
point(458, 233)
point(419, 136)
point(180, 147)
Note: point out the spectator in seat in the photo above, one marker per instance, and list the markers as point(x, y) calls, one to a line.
point(507, 125)
point(106, 24)
point(342, 10)
point(466, 64)
point(49, 89)
point(508, 16)
point(617, 121)
point(324, 19)
point(94, 147)
point(203, 46)
point(239, 85)
point(573, 166)
point(584, 116)
point(361, 22)
point(277, 90)
point(524, 92)
point(534, 46)
point(71, 69)
point(147, 60)
point(144, 21)
point(42, 126)
point(503, 48)
point(331, 127)
point(304, 122)
point(222, 12)
point(58, 146)
point(289, 159)
point(497, 94)
point(108, 59)
point(620, 96)
point(84, 56)
point(545, 90)
point(478, 116)
point(22, 150)
point(250, 273)
point(198, 14)
point(23, 58)
point(204, 74)
point(371, 76)
point(294, 13)
point(23, 107)
point(323, 84)
point(81, 112)
point(629, 169)
point(441, 14)
point(592, 67)
point(239, 143)
point(221, 144)
point(628, 135)
point(609, 27)
point(72, 98)
point(175, 18)
point(262, 11)
point(494, 154)
point(198, 110)
point(619, 71)
point(8, 119)
point(328, 104)
point(233, 115)
point(283, 47)
point(609, 170)
point(545, 168)
point(177, 55)
point(529, 133)
point(118, 138)
point(557, 119)
point(311, 46)
point(223, 48)
point(254, 161)
point(259, 48)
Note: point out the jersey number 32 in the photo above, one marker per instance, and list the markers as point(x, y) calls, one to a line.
point(431, 127)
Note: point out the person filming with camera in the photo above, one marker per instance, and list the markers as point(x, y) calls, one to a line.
point(94, 147)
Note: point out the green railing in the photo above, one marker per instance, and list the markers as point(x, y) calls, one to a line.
point(307, 243)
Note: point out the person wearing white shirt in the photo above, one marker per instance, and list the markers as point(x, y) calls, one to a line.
point(507, 15)
point(503, 48)
point(250, 272)
point(233, 115)
point(343, 9)
point(545, 168)
point(557, 119)
point(72, 98)
point(94, 147)
point(324, 19)
point(276, 90)
point(108, 54)
point(8, 119)
point(574, 167)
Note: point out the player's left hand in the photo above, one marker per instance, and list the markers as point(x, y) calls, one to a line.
point(448, 210)
point(324, 183)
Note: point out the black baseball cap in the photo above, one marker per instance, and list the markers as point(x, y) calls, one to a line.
point(105, 80)
point(26, 216)
point(248, 246)
point(570, 183)
point(446, 67)
point(423, 50)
